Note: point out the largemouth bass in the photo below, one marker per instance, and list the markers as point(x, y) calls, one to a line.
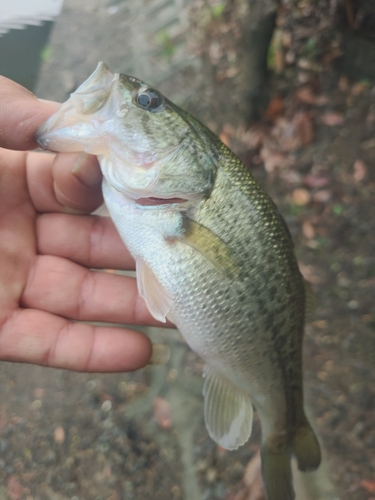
point(213, 255)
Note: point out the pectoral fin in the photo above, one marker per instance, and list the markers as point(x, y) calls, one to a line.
point(157, 298)
point(228, 412)
point(212, 247)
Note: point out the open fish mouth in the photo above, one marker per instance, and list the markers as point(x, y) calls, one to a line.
point(152, 201)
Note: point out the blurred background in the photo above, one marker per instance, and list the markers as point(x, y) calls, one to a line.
point(290, 87)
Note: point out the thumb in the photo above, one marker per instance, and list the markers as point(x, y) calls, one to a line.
point(21, 114)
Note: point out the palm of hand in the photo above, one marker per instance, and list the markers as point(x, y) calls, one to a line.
point(47, 285)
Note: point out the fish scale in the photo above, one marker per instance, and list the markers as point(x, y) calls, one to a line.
point(213, 255)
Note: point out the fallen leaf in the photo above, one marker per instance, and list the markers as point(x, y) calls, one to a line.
point(274, 159)
point(287, 38)
point(304, 128)
point(225, 138)
point(359, 87)
point(343, 83)
point(285, 133)
point(369, 144)
point(360, 170)
point(315, 181)
point(301, 197)
point(332, 119)
point(321, 196)
point(308, 230)
point(252, 138)
point(291, 177)
point(310, 273)
point(14, 489)
point(305, 94)
point(275, 109)
point(162, 413)
point(368, 485)
point(320, 324)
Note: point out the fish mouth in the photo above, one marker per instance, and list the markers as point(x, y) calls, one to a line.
point(152, 201)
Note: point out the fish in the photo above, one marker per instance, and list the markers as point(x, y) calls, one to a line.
point(213, 255)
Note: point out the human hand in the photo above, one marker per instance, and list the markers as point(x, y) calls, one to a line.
point(48, 248)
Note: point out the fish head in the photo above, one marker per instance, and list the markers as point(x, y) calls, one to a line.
point(147, 146)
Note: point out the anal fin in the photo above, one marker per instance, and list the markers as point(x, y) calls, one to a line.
point(157, 298)
point(228, 412)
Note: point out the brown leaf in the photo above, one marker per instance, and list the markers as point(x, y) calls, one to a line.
point(285, 133)
point(253, 138)
point(332, 119)
point(343, 83)
point(305, 94)
point(359, 87)
point(314, 181)
point(225, 138)
point(360, 170)
point(310, 273)
point(291, 177)
point(304, 128)
point(322, 196)
point(301, 197)
point(308, 230)
point(368, 485)
point(273, 160)
point(275, 109)
point(14, 489)
point(162, 413)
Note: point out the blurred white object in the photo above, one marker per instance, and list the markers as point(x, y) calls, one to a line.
point(16, 14)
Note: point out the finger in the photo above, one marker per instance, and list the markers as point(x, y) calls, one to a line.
point(61, 287)
point(88, 240)
point(77, 181)
point(21, 114)
point(38, 337)
point(53, 187)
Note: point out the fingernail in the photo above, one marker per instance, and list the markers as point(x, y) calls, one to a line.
point(86, 171)
point(160, 354)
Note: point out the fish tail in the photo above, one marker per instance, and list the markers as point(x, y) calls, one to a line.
point(277, 473)
point(306, 448)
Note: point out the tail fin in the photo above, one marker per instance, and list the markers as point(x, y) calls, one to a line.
point(306, 448)
point(277, 474)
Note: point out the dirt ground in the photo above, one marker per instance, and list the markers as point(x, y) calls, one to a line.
point(86, 437)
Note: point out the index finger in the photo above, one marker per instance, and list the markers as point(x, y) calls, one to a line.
point(21, 114)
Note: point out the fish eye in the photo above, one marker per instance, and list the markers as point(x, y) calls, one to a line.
point(149, 99)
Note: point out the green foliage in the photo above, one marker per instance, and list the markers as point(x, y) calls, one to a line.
point(217, 9)
point(167, 43)
point(46, 54)
point(338, 209)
